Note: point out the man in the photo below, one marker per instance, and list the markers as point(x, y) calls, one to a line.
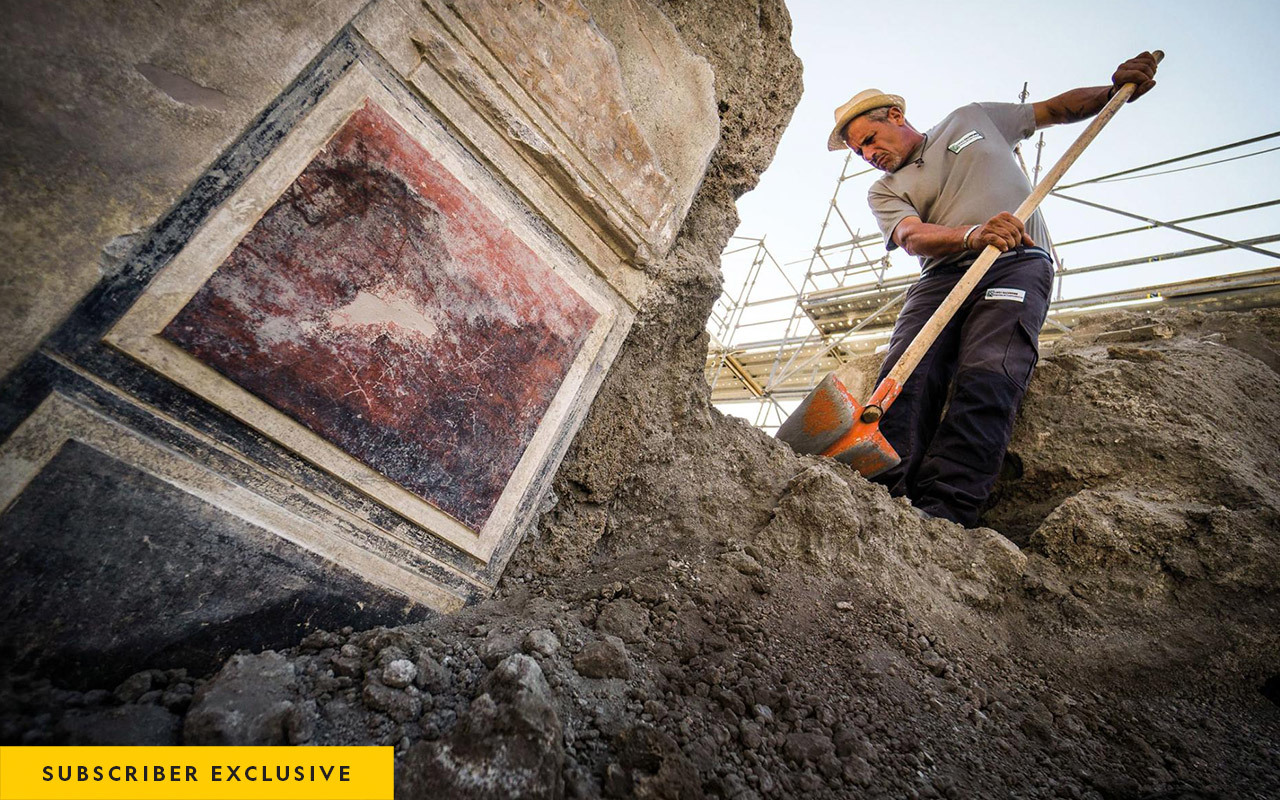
point(946, 195)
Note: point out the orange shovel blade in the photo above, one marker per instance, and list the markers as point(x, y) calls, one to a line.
point(866, 450)
point(829, 423)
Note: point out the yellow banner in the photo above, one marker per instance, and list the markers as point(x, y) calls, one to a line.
point(196, 773)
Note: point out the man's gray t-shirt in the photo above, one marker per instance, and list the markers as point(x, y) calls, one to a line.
point(964, 173)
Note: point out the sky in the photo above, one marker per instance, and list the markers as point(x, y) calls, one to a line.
point(1218, 84)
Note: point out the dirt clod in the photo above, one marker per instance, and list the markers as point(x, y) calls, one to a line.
point(603, 658)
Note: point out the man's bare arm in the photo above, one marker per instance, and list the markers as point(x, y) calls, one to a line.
point(1080, 104)
point(1072, 106)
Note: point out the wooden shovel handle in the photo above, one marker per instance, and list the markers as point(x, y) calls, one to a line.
point(925, 338)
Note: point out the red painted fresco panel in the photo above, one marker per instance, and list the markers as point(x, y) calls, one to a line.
point(383, 306)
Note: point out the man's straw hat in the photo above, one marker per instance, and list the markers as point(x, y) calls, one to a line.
point(860, 103)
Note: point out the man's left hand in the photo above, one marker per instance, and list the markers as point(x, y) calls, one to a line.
point(1140, 70)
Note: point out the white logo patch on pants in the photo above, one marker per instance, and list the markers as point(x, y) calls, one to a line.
point(1016, 295)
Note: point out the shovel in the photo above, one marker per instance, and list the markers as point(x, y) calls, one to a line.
point(831, 422)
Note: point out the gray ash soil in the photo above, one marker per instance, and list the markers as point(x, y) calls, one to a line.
point(702, 613)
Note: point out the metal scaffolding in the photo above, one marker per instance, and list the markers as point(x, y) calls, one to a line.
point(845, 302)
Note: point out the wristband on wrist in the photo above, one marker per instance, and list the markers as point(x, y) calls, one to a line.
point(969, 233)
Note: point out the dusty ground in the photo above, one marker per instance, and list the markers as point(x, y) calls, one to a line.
point(702, 613)
point(747, 622)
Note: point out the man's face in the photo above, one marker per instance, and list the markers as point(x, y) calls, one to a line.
point(882, 144)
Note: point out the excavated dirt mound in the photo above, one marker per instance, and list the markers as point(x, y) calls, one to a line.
point(1150, 483)
point(702, 613)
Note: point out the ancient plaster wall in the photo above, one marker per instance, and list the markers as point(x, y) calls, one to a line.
point(112, 110)
point(321, 291)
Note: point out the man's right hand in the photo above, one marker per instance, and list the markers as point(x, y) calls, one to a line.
point(1004, 230)
point(1140, 71)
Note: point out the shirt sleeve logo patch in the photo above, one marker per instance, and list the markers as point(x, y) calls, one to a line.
point(1016, 295)
point(964, 141)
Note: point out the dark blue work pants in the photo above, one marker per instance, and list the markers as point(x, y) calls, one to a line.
point(984, 358)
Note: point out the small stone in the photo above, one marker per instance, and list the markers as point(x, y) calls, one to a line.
point(851, 743)
point(1038, 724)
point(177, 698)
point(624, 618)
point(432, 676)
point(246, 703)
point(857, 771)
point(934, 662)
point(655, 709)
point(542, 641)
point(151, 698)
point(347, 667)
point(497, 646)
point(134, 686)
point(399, 673)
point(510, 734)
point(649, 590)
point(742, 562)
point(844, 605)
point(316, 641)
point(388, 654)
point(399, 705)
point(801, 747)
point(603, 658)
